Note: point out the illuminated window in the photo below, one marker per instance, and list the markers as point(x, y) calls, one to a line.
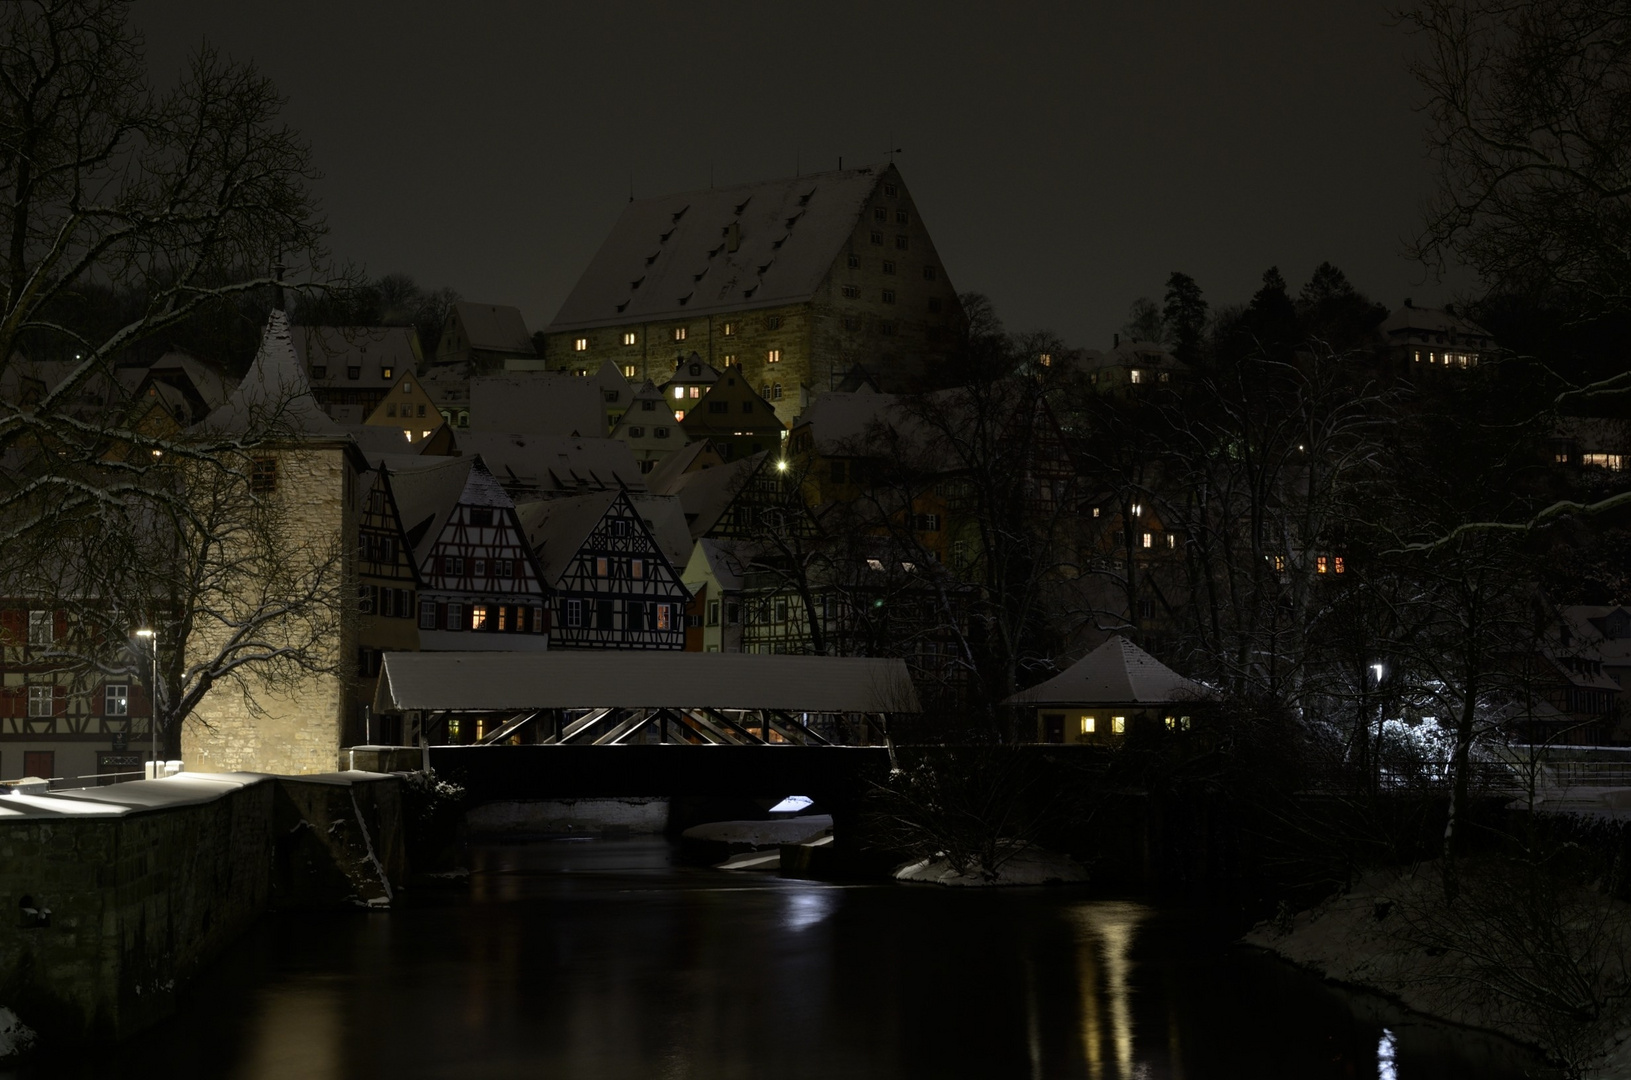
point(385, 373)
point(581, 344)
point(773, 356)
point(1088, 724)
point(730, 359)
point(1280, 564)
point(1322, 565)
point(679, 333)
point(662, 616)
point(874, 564)
point(679, 414)
point(628, 371)
point(1336, 565)
point(1045, 359)
point(1136, 375)
point(602, 567)
point(1095, 511)
point(1138, 509)
point(478, 617)
point(1172, 541)
point(116, 700)
point(695, 391)
point(1118, 725)
point(1177, 723)
point(729, 329)
point(679, 391)
point(1149, 540)
point(1612, 462)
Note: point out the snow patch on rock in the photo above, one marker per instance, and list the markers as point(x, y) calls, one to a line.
point(15, 1036)
point(760, 834)
point(1032, 866)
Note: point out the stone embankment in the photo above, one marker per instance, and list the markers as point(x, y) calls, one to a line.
point(118, 895)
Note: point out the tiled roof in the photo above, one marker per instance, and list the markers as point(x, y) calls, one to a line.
point(537, 403)
point(370, 349)
point(672, 256)
point(274, 396)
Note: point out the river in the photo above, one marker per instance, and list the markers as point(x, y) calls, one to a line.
point(601, 959)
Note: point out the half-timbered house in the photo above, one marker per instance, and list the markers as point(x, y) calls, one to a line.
point(612, 585)
point(480, 587)
point(388, 588)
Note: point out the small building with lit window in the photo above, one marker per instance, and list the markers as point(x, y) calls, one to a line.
point(648, 427)
point(1115, 690)
point(692, 379)
point(736, 417)
point(1128, 367)
point(352, 369)
point(1426, 340)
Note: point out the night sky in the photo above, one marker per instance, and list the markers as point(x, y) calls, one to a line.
point(1065, 157)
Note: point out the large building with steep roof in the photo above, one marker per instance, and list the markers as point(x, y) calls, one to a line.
point(484, 338)
point(795, 281)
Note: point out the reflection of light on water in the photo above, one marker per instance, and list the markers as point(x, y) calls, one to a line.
point(314, 1010)
point(806, 907)
point(1106, 934)
point(1385, 1050)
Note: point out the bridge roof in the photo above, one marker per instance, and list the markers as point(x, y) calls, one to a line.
point(516, 681)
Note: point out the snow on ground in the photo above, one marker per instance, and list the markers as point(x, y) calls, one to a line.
point(1032, 866)
point(761, 834)
point(15, 1036)
point(1356, 938)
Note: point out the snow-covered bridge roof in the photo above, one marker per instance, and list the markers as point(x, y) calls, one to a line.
point(502, 681)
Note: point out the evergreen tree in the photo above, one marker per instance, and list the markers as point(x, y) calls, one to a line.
point(1185, 316)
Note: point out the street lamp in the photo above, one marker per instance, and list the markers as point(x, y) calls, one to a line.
point(153, 698)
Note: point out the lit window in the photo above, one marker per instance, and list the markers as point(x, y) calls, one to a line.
point(679, 333)
point(385, 373)
point(1612, 462)
point(1322, 565)
point(730, 359)
point(773, 356)
point(116, 700)
point(1095, 511)
point(679, 391)
point(1172, 541)
point(1088, 725)
point(1045, 359)
point(478, 616)
point(679, 414)
point(581, 344)
point(1135, 375)
point(628, 371)
point(1149, 540)
point(662, 616)
point(601, 567)
point(1337, 566)
point(874, 564)
point(695, 391)
point(1118, 725)
point(628, 339)
point(729, 329)
point(1138, 509)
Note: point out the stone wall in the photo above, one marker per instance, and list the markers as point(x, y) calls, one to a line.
point(296, 725)
point(127, 908)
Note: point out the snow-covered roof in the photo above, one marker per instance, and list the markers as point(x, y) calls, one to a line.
point(1427, 320)
point(665, 477)
point(673, 256)
point(427, 489)
point(726, 559)
point(548, 465)
point(706, 494)
point(666, 519)
point(557, 529)
point(372, 350)
point(1116, 673)
point(537, 403)
point(274, 396)
point(506, 681)
point(494, 327)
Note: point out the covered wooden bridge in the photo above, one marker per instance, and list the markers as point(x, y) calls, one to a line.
point(626, 697)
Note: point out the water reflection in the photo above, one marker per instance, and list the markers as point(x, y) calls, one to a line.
point(1104, 941)
point(604, 960)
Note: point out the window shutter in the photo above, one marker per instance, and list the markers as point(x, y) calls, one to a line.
point(59, 698)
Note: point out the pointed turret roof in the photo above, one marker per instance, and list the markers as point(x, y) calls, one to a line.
point(275, 397)
point(1116, 673)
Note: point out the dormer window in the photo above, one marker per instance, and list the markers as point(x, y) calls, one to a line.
point(386, 373)
point(353, 372)
point(318, 371)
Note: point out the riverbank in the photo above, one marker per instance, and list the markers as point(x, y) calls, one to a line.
point(1481, 962)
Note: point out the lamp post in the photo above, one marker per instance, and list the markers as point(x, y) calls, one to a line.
point(153, 697)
